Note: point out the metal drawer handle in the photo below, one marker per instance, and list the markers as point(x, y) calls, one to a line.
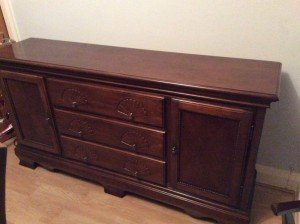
point(133, 173)
point(77, 133)
point(85, 159)
point(129, 116)
point(132, 146)
point(75, 104)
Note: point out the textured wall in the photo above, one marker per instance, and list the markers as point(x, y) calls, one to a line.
point(257, 29)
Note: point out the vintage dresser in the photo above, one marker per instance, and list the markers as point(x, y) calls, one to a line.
point(182, 129)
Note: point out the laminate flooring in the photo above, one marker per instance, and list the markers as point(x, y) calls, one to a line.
point(43, 197)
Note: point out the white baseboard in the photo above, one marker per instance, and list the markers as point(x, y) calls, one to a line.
point(297, 217)
point(280, 178)
point(9, 18)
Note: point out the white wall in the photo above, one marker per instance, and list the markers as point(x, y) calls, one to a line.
point(258, 29)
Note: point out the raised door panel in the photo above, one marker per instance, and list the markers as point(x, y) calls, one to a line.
point(210, 145)
point(31, 112)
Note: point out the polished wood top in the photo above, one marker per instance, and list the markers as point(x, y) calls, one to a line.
point(220, 74)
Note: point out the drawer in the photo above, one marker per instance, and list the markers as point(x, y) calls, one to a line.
point(107, 101)
point(140, 167)
point(112, 133)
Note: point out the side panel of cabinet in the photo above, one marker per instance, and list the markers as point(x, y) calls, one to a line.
point(210, 144)
point(31, 111)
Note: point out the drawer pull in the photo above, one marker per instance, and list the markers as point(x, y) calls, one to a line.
point(131, 146)
point(136, 168)
point(74, 97)
point(77, 127)
point(131, 108)
point(129, 116)
point(85, 159)
point(135, 140)
point(132, 172)
point(74, 104)
point(77, 133)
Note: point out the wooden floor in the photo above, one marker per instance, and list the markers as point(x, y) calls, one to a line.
point(43, 197)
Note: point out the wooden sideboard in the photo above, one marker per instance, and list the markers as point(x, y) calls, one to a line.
point(178, 128)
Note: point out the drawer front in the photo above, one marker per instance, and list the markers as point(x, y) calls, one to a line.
point(113, 133)
point(115, 160)
point(112, 102)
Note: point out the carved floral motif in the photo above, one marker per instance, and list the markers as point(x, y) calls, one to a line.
point(74, 97)
point(85, 154)
point(79, 127)
point(135, 140)
point(131, 108)
point(136, 168)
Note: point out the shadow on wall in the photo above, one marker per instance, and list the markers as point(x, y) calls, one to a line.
point(280, 143)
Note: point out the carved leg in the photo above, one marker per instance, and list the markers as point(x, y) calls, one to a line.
point(28, 164)
point(114, 191)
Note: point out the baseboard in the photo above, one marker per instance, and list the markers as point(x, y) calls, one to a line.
point(9, 18)
point(297, 217)
point(280, 178)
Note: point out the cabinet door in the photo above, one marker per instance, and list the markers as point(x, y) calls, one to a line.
point(210, 144)
point(30, 109)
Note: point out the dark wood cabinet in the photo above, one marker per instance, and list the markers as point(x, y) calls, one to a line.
point(209, 148)
point(31, 110)
point(178, 128)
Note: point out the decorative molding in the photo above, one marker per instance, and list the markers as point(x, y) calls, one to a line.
point(80, 127)
point(73, 97)
point(87, 155)
point(10, 20)
point(131, 108)
point(135, 140)
point(136, 168)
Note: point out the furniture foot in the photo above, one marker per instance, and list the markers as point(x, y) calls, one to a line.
point(28, 164)
point(114, 191)
point(50, 168)
point(197, 215)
